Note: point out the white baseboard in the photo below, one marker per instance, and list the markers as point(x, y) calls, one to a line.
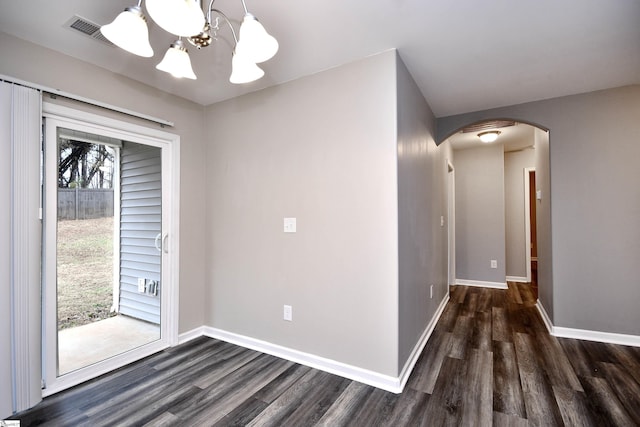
point(584, 334)
point(481, 284)
point(190, 335)
point(417, 350)
point(545, 317)
point(518, 279)
point(375, 379)
point(609, 337)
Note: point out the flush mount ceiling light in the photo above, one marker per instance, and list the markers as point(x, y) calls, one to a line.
point(185, 18)
point(489, 136)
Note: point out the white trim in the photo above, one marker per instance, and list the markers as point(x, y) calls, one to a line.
point(59, 115)
point(191, 335)
point(527, 223)
point(171, 301)
point(545, 317)
point(115, 301)
point(451, 224)
point(365, 376)
point(76, 377)
point(89, 101)
point(375, 379)
point(417, 350)
point(481, 284)
point(584, 334)
point(608, 337)
point(518, 279)
point(129, 129)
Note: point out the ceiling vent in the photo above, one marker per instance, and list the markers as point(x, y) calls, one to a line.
point(492, 124)
point(88, 28)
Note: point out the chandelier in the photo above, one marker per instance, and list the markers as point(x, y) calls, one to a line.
point(186, 19)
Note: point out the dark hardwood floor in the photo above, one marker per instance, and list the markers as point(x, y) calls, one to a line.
point(490, 361)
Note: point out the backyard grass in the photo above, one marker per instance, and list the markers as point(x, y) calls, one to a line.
point(85, 271)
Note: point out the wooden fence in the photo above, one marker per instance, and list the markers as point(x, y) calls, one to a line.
point(84, 203)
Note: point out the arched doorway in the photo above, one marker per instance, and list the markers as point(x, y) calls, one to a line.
point(502, 206)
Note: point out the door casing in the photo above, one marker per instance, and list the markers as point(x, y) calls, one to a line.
point(527, 219)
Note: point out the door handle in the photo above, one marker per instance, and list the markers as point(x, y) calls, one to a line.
point(165, 246)
point(161, 243)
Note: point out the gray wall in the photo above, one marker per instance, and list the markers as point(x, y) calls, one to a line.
point(39, 65)
point(422, 199)
point(480, 230)
point(515, 214)
point(594, 204)
point(322, 149)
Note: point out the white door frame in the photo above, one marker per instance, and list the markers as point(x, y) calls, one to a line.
point(57, 115)
point(527, 221)
point(451, 222)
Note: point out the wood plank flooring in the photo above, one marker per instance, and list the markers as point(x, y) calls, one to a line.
point(490, 361)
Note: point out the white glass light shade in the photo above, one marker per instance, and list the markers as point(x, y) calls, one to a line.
point(180, 17)
point(488, 136)
point(244, 70)
point(129, 31)
point(256, 43)
point(176, 62)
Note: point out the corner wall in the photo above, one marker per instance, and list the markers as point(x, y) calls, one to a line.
point(594, 205)
point(422, 239)
point(321, 149)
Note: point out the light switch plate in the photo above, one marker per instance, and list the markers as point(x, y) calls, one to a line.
point(288, 313)
point(289, 225)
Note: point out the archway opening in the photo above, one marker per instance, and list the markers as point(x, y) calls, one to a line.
point(502, 211)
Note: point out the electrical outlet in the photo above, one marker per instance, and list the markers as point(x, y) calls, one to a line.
point(141, 285)
point(288, 313)
point(290, 225)
point(494, 263)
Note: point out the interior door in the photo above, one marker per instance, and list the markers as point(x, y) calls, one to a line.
point(106, 237)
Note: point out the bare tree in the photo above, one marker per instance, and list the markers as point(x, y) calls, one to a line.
point(81, 162)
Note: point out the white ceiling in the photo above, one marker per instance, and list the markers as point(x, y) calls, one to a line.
point(465, 55)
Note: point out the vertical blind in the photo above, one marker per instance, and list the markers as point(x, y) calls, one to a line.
point(20, 248)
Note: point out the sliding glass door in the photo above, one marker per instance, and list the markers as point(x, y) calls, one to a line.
point(106, 259)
